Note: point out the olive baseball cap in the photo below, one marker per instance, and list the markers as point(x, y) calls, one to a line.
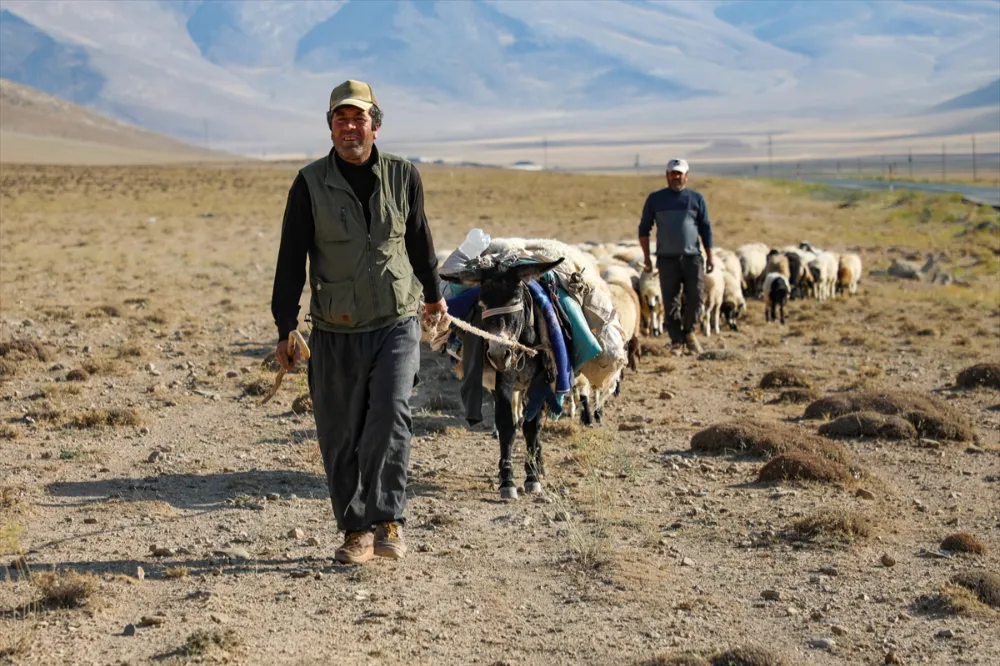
point(353, 93)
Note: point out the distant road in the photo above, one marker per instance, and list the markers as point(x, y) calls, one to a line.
point(988, 196)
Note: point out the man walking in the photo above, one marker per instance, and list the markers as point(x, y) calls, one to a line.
point(358, 214)
point(681, 218)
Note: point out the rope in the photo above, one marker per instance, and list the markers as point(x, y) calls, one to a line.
point(469, 328)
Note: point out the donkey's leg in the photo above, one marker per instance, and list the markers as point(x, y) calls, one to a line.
point(533, 469)
point(504, 416)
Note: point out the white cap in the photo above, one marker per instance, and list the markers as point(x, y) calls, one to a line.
point(677, 164)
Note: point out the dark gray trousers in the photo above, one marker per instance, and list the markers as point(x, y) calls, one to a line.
point(360, 385)
point(679, 275)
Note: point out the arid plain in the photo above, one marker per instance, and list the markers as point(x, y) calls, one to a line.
point(150, 503)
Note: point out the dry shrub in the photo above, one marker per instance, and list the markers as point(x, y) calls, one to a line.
point(985, 585)
point(951, 600)
point(845, 525)
point(177, 572)
point(302, 404)
point(131, 350)
point(77, 375)
point(654, 351)
point(930, 417)
point(25, 350)
point(869, 424)
point(54, 390)
point(748, 656)
point(785, 378)
point(675, 660)
point(801, 466)
point(158, 317)
point(765, 440)
point(7, 369)
point(64, 589)
point(441, 403)
point(257, 386)
point(105, 418)
point(796, 396)
point(963, 542)
point(564, 428)
point(105, 311)
point(8, 431)
point(981, 374)
point(101, 366)
point(204, 641)
point(720, 355)
point(45, 412)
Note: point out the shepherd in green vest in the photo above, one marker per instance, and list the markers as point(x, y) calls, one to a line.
point(358, 214)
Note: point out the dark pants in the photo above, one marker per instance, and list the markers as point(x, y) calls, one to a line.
point(360, 385)
point(681, 275)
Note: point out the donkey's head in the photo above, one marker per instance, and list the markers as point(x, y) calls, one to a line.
point(506, 305)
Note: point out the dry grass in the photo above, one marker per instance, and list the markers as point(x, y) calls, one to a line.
point(836, 524)
point(674, 660)
point(982, 374)
point(102, 366)
point(748, 656)
point(105, 311)
point(765, 440)
point(801, 466)
point(869, 424)
point(105, 418)
point(985, 585)
point(785, 378)
point(929, 416)
point(131, 350)
point(8, 369)
point(64, 589)
point(796, 396)
point(25, 350)
point(956, 598)
point(564, 428)
point(257, 386)
point(302, 404)
point(204, 641)
point(8, 431)
point(77, 375)
point(963, 542)
point(177, 572)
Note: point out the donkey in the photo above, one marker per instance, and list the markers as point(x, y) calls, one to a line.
point(508, 311)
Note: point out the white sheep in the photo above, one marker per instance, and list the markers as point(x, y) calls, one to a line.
point(753, 263)
point(849, 273)
point(823, 270)
point(733, 302)
point(715, 290)
point(651, 303)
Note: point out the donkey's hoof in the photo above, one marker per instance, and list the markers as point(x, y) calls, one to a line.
point(508, 493)
point(532, 487)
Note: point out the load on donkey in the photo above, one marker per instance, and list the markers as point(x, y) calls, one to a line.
point(532, 317)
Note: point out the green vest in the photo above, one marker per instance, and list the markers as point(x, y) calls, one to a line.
point(360, 276)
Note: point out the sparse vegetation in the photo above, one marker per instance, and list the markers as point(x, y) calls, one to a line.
point(106, 418)
point(64, 589)
point(869, 424)
point(982, 374)
point(984, 584)
point(963, 542)
point(843, 525)
point(204, 641)
point(929, 416)
point(785, 378)
point(801, 466)
point(24, 350)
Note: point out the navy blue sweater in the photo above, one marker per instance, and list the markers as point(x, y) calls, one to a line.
point(680, 218)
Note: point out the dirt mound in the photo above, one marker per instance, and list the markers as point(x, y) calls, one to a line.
point(981, 374)
point(930, 417)
point(785, 378)
point(302, 404)
point(801, 466)
point(869, 424)
point(25, 350)
point(765, 440)
point(963, 542)
point(796, 396)
point(984, 584)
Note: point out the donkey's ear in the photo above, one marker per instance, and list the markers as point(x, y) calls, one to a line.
point(533, 271)
point(467, 277)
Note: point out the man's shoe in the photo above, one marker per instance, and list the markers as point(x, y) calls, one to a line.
point(356, 549)
point(692, 343)
point(677, 349)
point(389, 541)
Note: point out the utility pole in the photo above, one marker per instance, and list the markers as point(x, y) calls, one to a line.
point(944, 169)
point(770, 163)
point(973, 158)
point(910, 160)
point(859, 166)
point(637, 160)
point(838, 167)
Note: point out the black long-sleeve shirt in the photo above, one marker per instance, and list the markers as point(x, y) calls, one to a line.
point(298, 235)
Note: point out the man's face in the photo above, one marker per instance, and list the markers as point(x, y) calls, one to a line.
point(677, 180)
point(353, 134)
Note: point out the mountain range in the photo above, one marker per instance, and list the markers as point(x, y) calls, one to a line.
point(592, 80)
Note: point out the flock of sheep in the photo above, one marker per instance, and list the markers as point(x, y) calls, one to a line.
point(754, 270)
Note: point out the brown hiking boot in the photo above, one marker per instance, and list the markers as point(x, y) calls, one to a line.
point(389, 541)
point(356, 549)
point(692, 343)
